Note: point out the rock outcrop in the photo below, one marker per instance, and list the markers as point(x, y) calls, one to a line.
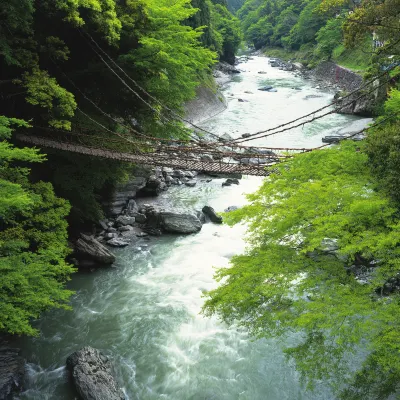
point(91, 373)
point(124, 193)
point(358, 104)
point(87, 248)
point(12, 370)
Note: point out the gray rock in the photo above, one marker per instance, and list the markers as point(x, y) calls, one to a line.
point(167, 171)
point(265, 88)
point(177, 222)
point(124, 193)
point(111, 230)
point(154, 186)
point(12, 370)
point(125, 228)
point(231, 181)
point(103, 224)
point(140, 218)
point(231, 208)
point(132, 207)
point(210, 213)
point(201, 216)
point(190, 174)
point(177, 173)
point(125, 220)
point(191, 183)
point(116, 242)
point(111, 235)
point(88, 248)
point(227, 68)
point(92, 375)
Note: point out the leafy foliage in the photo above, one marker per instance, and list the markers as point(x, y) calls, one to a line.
point(33, 239)
point(323, 244)
point(50, 69)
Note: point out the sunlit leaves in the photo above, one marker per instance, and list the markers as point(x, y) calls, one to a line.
point(314, 229)
point(33, 240)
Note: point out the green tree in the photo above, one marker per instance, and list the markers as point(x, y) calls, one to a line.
point(328, 38)
point(229, 29)
point(33, 239)
point(323, 249)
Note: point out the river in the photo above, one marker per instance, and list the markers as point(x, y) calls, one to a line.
point(144, 311)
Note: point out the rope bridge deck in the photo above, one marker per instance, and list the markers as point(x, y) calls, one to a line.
point(173, 157)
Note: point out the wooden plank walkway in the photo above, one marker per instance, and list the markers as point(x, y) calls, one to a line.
point(156, 159)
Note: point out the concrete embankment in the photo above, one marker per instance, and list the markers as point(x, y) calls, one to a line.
point(207, 104)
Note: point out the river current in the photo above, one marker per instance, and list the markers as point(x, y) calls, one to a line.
point(144, 311)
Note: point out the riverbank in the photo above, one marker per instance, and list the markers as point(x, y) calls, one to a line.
point(354, 60)
point(350, 96)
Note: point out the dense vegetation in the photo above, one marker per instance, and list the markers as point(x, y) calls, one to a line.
point(53, 77)
point(323, 259)
point(33, 238)
point(316, 30)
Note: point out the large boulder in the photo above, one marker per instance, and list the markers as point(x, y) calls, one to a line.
point(91, 373)
point(180, 222)
point(12, 370)
point(89, 249)
point(210, 212)
point(173, 221)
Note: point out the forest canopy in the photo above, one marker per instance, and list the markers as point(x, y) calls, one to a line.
point(57, 63)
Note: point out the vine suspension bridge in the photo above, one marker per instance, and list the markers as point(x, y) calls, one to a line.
point(196, 156)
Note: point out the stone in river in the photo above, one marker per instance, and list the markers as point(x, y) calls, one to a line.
point(191, 183)
point(115, 242)
point(180, 222)
point(230, 181)
point(231, 208)
point(265, 88)
point(210, 212)
point(92, 375)
point(89, 248)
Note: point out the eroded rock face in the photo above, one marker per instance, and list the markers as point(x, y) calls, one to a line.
point(91, 373)
point(12, 370)
point(88, 248)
